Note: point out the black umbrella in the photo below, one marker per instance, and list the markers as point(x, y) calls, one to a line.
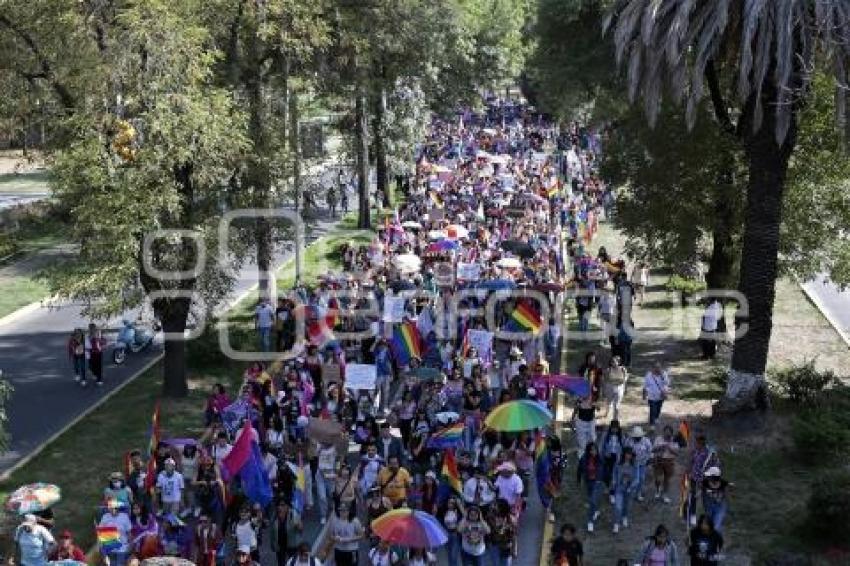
point(519, 248)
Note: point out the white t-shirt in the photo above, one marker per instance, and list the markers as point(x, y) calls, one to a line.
point(219, 453)
point(246, 535)
point(171, 486)
point(34, 544)
point(473, 537)
point(509, 488)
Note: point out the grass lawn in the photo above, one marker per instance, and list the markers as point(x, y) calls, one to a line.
point(771, 484)
point(33, 182)
point(80, 460)
point(17, 292)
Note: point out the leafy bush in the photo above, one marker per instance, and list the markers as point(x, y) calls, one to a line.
point(8, 245)
point(803, 384)
point(824, 429)
point(827, 517)
point(680, 284)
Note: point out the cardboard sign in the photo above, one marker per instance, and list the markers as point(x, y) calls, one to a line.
point(360, 376)
point(469, 271)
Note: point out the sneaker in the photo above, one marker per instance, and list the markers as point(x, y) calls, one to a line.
point(616, 528)
point(77, 378)
point(625, 522)
point(666, 499)
point(640, 498)
point(596, 515)
point(590, 527)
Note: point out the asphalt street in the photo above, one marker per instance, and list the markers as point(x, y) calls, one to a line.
point(34, 359)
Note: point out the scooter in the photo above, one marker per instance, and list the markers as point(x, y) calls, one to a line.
point(132, 338)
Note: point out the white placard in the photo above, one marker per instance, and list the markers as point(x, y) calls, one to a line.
point(482, 341)
point(469, 271)
point(360, 376)
point(394, 309)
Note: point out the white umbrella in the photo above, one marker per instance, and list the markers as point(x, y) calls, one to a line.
point(509, 263)
point(437, 235)
point(489, 131)
point(407, 263)
point(411, 225)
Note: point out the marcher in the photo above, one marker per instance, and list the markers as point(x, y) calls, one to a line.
point(346, 535)
point(33, 542)
point(706, 544)
point(566, 549)
point(590, 471)
point(473, 530)
point(94, 346)
point(658, 550)
point(715, 497)
point(664, 449)
point(656, 388)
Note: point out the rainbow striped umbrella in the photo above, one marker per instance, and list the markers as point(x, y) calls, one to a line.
point(410, 528)
point(519, 415)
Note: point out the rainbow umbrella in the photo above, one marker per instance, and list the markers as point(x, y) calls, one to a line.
point(410, 528)
point(518, 415)
point(33, 498)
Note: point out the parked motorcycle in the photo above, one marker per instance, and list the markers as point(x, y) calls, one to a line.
point(133, 338)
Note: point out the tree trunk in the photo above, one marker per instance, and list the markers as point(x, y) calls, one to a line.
point(173, 319)
point(362, 150)
point(768, 167)
point(380, 145)
point(295, 149)
point(721, 266)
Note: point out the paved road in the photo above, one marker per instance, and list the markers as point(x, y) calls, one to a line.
point(834, 301)
point(33, 359)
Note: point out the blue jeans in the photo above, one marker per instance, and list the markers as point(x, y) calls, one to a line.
point(654, 411)
point(471, 560)
point(496, 558)
point(716, 512)
point(640, 477)
point(594, 488)
point(622, 498)
point(80, 367)
point(453, 549)
point(265, 336)
point(118, 558)
point(324, 492)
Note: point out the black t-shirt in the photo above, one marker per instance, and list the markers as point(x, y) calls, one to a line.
point(704, 548)
point(569, 549)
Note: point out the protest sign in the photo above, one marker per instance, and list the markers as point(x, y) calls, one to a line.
point(468, 271)
point(360, 376)
point(394, 309)
point(482, 341)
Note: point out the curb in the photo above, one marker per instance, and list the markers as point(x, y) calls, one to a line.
point(845, 337)
point(40, 448)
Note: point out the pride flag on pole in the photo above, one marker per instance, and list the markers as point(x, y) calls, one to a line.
point(449, 437)
point(449, 478)
point(150, 472)
point(546, 489)
point(525, 318)
point(406, 342)
point(108, 538)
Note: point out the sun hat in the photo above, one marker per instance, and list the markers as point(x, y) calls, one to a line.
point(712, 472)
point(637, 432)
point(116, 476)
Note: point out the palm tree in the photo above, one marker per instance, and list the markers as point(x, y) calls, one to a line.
point(755, 59)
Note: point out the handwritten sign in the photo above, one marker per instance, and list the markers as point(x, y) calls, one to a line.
point(394, 309)
point(360, 376)
point(482, 341)
point(469, 271)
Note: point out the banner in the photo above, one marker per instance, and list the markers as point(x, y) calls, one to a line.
point(360, 376)
point(469, 271)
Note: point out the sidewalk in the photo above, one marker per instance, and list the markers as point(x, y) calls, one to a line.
point(34, 361)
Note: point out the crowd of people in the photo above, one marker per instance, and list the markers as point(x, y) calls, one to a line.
point(468, 274)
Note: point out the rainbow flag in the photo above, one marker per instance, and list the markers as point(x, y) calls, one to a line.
point(543, 471)
point(449, 437)
point(449, 478)
point(150, 473)
point(108, 538)
point(525, 318)
point(406, 342)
